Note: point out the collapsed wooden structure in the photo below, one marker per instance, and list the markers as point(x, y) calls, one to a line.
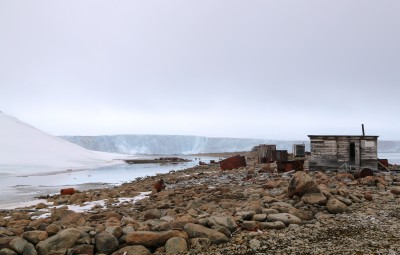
point(267, 153)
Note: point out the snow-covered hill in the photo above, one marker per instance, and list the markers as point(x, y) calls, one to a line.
point(172, 144)
point(26, 150)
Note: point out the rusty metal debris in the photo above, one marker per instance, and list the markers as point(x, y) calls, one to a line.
point(233, 162)
point(68, 191)
point(286, 166)
point(364, 172)
point(159, 185)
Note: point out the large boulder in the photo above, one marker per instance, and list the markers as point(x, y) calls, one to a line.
point(152, 214)
point(29, 249)
point(335, 206)
point(35, 236)
point(133, 250)
point(226, 222)
point(68, 218)
point(83, 249)
point(63, 240)
point(106, 243)
point(245, 215)
point(195, 230)
point(6, 251)
point(152, 239)
point(302, 214)
point(52, 229)
point(301, 183)
point(176, 245)
point(18, 244)
point(314, 199)
point(5, 241)
point(115, 231)
point(286, 218)
point(272, 225)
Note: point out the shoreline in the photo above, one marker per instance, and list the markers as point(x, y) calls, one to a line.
point(18, 189)
point(242, 211)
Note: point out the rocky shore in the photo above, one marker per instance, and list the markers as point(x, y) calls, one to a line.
point(204, 210)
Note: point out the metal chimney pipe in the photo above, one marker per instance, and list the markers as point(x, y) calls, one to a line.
point(363, 132)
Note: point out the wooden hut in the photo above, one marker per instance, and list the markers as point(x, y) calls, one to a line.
point(329, 152)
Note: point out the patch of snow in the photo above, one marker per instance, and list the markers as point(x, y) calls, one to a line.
point(88, 206)
point(42, 216)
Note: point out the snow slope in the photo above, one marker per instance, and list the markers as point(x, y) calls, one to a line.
point(27, 150)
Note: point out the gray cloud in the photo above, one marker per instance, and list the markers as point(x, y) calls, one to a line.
point(265, 69)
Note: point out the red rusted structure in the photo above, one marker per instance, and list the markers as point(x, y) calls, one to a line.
point(233, 162)
point(286, 166)
point(383, 164)
point(364, 172)
point(159, 185)
point(68, 191)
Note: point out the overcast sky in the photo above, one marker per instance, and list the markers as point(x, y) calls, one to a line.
point(252, 69)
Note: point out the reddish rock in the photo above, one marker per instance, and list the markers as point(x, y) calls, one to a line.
point(195, 231)
point(152, 239)
point(113, 222)
point(344, 177)
point(16, 224)
point(368, 196)
point(83, 249)
point(152, 214)
point(52, 229)
point(301, 183)
point(369, 181)
point(395, 190)
point(5, 241)
point(35, 236)
point(73, 219)
point(335, 206)
point(272, 184)
point(314, 199)
point(322, 178)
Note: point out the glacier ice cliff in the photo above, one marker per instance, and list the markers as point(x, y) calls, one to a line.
point(172, 144)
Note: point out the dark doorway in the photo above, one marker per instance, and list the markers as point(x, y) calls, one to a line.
point(352, 153)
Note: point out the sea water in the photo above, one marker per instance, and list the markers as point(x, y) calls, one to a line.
point(393, 157)
point(16, 189)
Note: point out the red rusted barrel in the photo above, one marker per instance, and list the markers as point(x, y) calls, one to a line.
point(361, 173)
point(68, 191)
